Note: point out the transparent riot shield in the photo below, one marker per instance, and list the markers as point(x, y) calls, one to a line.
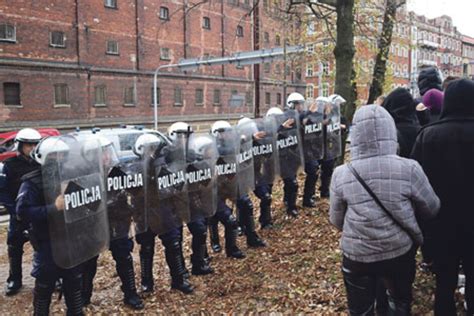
point(312, 130)
point(125, 184)
point(201, 175)
point(332, 125)
point(73, 176)
point(245, 131)
point(265, 155)
point(289, 143)
point(226, 164)
point(166, 190)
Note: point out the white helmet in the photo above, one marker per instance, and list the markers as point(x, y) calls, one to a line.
point(48, 146)
point(293, 98)
point(178, 128)
point(274, 111)
point(200, 144)
point(336, 99)
point(145, 140)
point(219, 127)
point(28, 135)
point(244, 120)
point(96, 142)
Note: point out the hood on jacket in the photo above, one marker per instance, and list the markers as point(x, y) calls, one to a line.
point(373, 133)
point(459, 99)
point(429, 78)
point(433, 100)
point(401, 106)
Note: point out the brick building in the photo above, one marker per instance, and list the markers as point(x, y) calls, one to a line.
point(468, 56)
point(80, 63)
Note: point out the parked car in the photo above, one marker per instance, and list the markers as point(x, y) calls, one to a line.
point(7, 141)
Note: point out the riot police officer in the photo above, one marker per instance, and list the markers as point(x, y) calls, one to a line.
point(33, 210)
point(227, 189)
point(122, 247)
point(13, 169)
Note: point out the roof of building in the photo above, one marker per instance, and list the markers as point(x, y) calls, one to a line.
point(468, 39)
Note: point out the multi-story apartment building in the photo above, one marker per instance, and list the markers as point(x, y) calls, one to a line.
point(68, 63)
point(468, 57)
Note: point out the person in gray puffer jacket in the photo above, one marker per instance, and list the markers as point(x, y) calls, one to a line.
point(374, 246)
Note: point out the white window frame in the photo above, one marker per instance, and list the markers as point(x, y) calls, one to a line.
point(110, 52)
point(63, 45)
point(11, 39)
point(164, 13)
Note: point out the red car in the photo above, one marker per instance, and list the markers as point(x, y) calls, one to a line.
point(7, 141)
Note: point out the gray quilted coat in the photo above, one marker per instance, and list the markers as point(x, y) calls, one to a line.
point(368, 233)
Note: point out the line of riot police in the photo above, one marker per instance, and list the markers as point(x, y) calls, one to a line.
point(93, 191)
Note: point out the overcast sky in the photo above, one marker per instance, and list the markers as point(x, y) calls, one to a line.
point(461, 11)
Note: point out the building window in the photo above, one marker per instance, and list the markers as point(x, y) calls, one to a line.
point(199, 96)
point(178, 96)
point(279, 98)
point(129, 96)
point(216, 100)
point(7, 33)
point(298, 74)
point(100, 95)
point(61, 94)
point(310, 48)
point(277, 40)
point(266, 37)
point(248, 97)
point(325, 90)
point(278, 69)
point(112, 48)
point(164, 13)
point(158, 96)
point(165, 53)
point(206, 23)
point(240, 31)
point(268, 98)
point(325, 65)
point(309, 70)
point(57, 39)
point(110, 4)
point(266, 67)
point(11, 93)
point(310, 91)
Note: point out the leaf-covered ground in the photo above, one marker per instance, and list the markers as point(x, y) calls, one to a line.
point(299, 272)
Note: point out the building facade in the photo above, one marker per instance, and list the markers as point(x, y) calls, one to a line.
point(80, 63)
point(468, 57)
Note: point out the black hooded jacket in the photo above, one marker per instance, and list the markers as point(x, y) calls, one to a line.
point(445, 150)
point(401, 106)
point(428, 79)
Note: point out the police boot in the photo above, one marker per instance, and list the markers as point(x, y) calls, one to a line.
point(146, 265)
point(89, 271)
point(14, 282)
point(253, 240)
point(42, 297)
point(72, 295)
point(127, 276)
point(214, 234)
point(266, 212)
point(200, 264)
point(292, 190)
point(174, 258)
point(231, 233)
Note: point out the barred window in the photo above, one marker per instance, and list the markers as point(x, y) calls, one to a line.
point(217, 97)
point(199, 96)
point(165, 53)
point(164, 13)
point(57, 39)
point(61, 94)
point(240, 31)
point(279, 98)
point(129, 96)
point(112, 48)
point(100, 95)
point(206, 23)
point(267, 98)
point(110, 4)
point(11, 93)
point(7, 33)
point(178, 96)
point(266, 67)
point(249, 97)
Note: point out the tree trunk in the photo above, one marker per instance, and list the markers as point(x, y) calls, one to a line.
point(378, 80)
point(344, 53)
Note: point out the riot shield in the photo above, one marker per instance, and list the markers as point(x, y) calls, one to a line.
point(312, 130)
point(73, 172)
point(265, 155)
point(126, 198)
point(332, 126)
point(289, 144)
point(201, 175)
point(245, 131)
point(226, 164)
point(166, 190)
